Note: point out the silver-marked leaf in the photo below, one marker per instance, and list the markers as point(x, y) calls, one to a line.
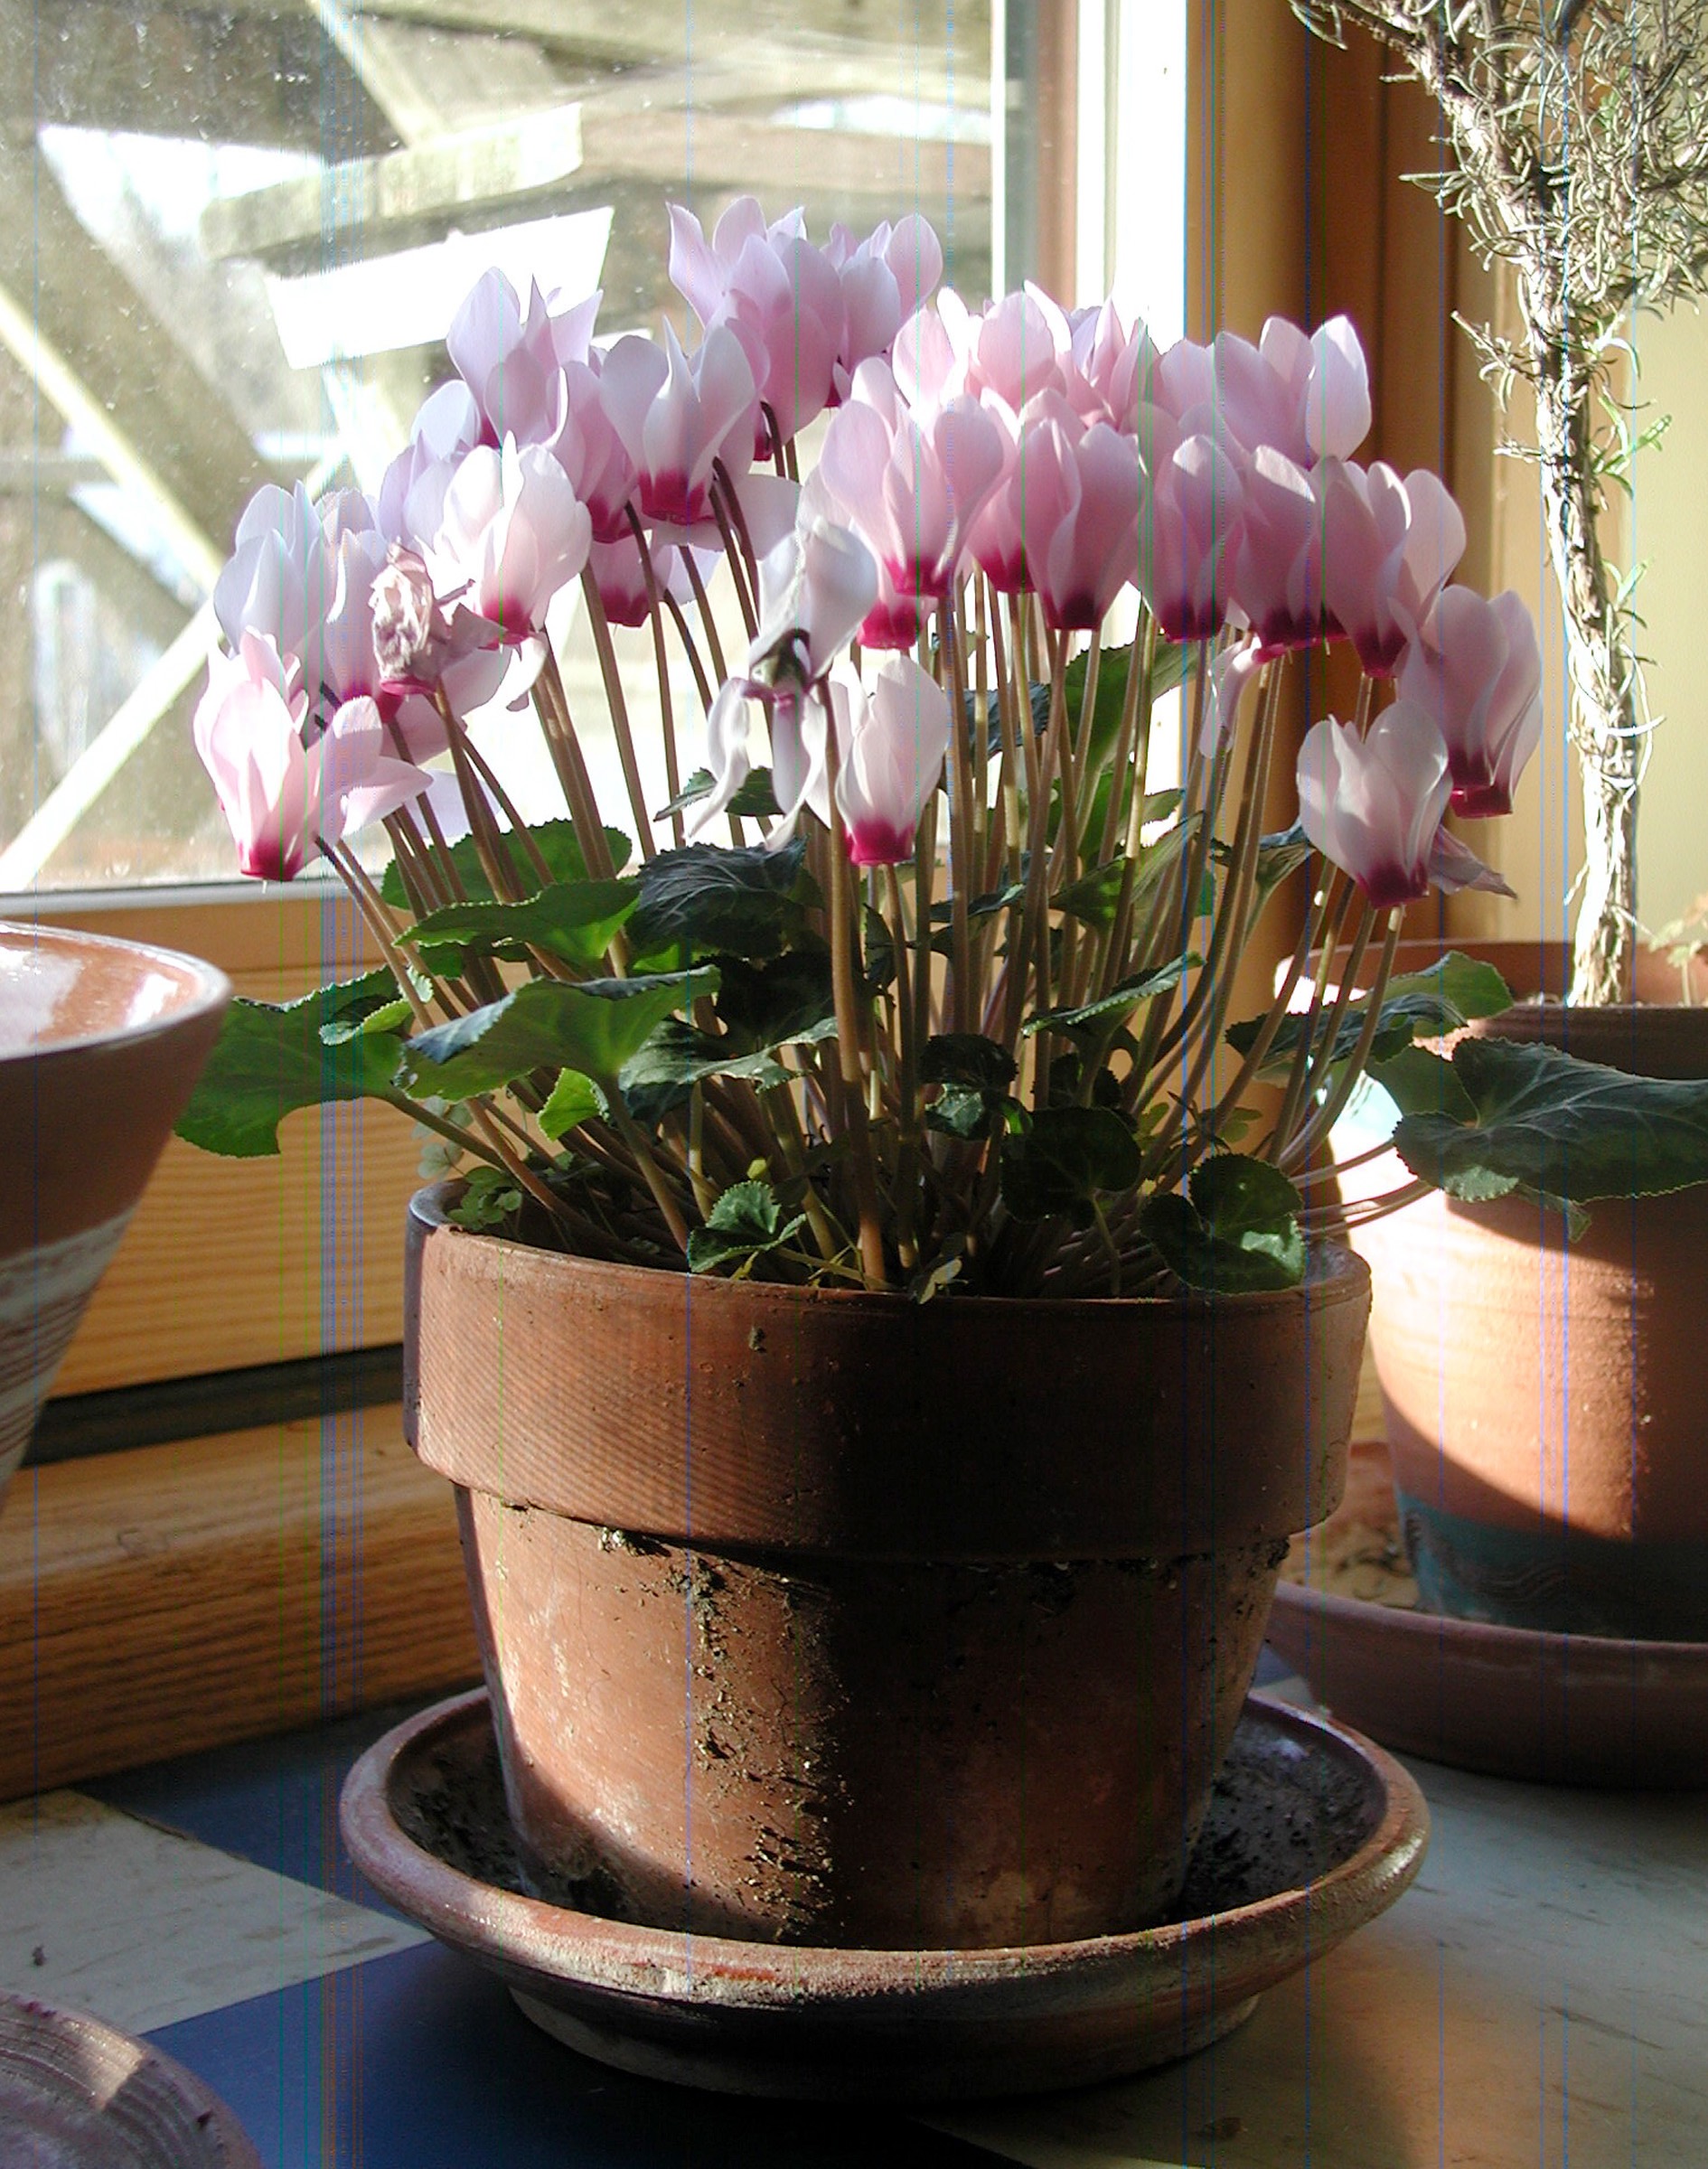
point(1566, 1129)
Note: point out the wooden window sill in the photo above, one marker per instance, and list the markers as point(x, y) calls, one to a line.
point(172, 1598)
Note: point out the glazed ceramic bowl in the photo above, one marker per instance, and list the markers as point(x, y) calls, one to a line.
point(100, 1044)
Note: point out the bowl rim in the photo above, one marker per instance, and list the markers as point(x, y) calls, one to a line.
point(211, 992)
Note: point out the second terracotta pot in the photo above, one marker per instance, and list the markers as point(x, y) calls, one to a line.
point(1543, 1397)
point(835, 1619)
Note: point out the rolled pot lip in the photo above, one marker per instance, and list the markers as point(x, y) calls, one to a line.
point(1398, 1842)
point(210, 994)
point(1334, 1274)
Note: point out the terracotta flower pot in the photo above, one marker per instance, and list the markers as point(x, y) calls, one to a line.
point(1543, 1398)
point(818, 1617)
point(100, 1044)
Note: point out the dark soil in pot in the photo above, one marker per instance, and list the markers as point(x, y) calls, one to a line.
point(836, 1619)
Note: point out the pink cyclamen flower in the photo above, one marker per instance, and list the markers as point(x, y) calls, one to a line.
point(911, 488)
point(620, 577)
point(1304, 397)
point(283, 798)
point(1021, 346)
point(1476, 668)
point(677, 418)
point(1078, 568)
point(592, 455)
point(779, 295)
point(892, 741)
point(278, 575)
point(1372, 805)
point(1278, 562)
point(1109, 369)
point(1035, 493)
point(510, 532)
point(1190, 543)
point(510, 354)
point(1388, 545)
point(885, 279)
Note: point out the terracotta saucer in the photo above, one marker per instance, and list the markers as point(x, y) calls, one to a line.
point(1312, 1832)
point(1569, 1709)
point(1565, 1709)
point(78, 2094)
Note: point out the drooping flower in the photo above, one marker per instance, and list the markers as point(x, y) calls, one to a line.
point(677, 417)
point(1231, 672)
point(815, 587)
point(1388, 546)
point(892, 742)
point(1454, 866)
point(1477, 671)
point(1372, 804)
point(283, 797)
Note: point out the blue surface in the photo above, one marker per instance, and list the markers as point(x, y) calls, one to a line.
point(272, 1801)
point(420, 2062)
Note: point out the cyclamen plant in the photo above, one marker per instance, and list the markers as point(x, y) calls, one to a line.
point(950, 1005)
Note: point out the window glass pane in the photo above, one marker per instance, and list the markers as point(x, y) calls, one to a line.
point(233, 240)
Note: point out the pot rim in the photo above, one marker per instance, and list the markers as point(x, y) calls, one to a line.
point(1334, 1274)
point(206, 989)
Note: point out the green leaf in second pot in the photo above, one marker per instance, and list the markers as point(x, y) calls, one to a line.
point(1569, 1130)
